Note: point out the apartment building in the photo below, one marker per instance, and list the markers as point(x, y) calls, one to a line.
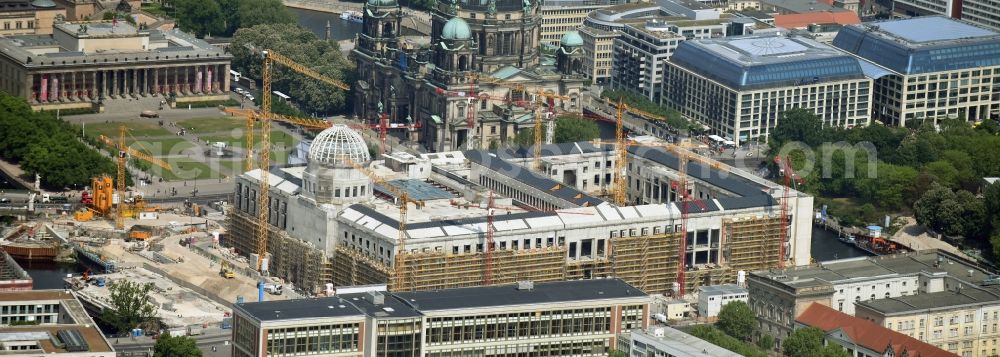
point(962, 321)
point(561, 16)
point(863, 338)
point(779, 297)
point(739, 87)
point(928, 68)
point(580, 318)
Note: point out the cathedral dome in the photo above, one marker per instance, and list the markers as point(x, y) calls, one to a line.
point(336, 142)
point(456, 29)
point(43, 3)
point(571, 39)
point(382, 2)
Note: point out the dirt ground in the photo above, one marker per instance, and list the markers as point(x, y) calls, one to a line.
point(914, 236)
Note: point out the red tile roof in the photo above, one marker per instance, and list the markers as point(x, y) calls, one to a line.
point(803, 20)
point(866, 333)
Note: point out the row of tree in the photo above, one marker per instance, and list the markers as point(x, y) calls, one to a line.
point(47, 146)
point(569, 129)
point(674, 118)
point(934, 170)
point(304, 47)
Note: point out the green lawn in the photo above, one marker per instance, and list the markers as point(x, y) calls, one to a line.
point(138, 130)
point(213, 125)
point(186, 169)
point(278, 138)
point(162, 147)
point(155, 9)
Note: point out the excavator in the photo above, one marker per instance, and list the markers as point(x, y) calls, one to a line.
point(226, 272)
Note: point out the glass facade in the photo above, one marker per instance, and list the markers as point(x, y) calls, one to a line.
point(311, 340)
point(762, 75)
point(899, 57)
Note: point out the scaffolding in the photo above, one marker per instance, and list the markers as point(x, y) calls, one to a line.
point(646, 262)
point(751, 243)
point(440, 270)
point(294, 260)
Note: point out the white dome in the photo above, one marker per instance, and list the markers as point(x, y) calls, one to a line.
point(336, 142)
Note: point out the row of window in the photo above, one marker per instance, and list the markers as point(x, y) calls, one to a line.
point(19, 25)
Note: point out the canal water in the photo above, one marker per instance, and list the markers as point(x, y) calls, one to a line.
point(826, 246)
point(49, 275)
point(315, 21)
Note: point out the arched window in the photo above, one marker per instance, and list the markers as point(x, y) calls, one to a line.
point(463, 63)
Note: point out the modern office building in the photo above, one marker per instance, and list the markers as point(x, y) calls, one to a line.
point(665, 341)
point(561, 16)
point(980, 12)
point(962, 321)
point(599, 30)
point(578, 318)
point(639, 55)
point(739, 87)
point(641, 49)
point(330, 224)
point(863, 338)
point(778, 297)
point(712, 298)
point(929, 68)
point(50, 323)
point(87, 62)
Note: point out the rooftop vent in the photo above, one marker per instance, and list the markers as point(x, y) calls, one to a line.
point(377, 297)
point(526, 285)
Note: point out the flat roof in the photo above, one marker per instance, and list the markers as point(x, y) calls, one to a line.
point(417, 190)
point(931, 301)
point(922, 44)
point(506, 295)
point(98, 29)
point(677, 343)
point(800, 6)
point(531, 178)
point(837, 271)
point(766, 60)
point(724, 289)
point(45, 333)
point(325, 307)
point(30, 296)
point(932, 29)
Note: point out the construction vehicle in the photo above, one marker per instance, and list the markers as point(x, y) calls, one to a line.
point(226, 272)
point(139, 233)
point(124, 153)
point(274, 289)
point(84, 214)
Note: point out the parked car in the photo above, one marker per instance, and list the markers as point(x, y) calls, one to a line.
point(149, 114)
point(250, 96)
point(240, 91)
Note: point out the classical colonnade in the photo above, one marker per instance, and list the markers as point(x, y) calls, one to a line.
point(87, 85)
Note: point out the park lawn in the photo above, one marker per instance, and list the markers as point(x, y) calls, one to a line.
point(155, 9)
point(138, 129)
point(278, 138)
point(163, 147)
point(213, 125)
point(186, 169)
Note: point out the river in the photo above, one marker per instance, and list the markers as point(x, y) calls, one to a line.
point(315, 21)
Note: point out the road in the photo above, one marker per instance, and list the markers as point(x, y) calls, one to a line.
point(213, 336)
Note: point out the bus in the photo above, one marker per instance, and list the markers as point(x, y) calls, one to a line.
point(235, 76)
point(283, 96)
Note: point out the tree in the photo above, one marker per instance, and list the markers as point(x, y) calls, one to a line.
point(766, 342)
point(737, 320)
point(573, 129)
point(251, 13)
point(131, 306)
point(180, 346)
point(796, 125)
point(302, 46)
point(809, 342)
point(200, 17)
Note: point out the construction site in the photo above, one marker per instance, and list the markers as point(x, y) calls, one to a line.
point(654, 214)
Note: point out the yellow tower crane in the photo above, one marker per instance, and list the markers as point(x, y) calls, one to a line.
point(124, 152)
point(539, 93)
point(269, 58)
point(404, 201)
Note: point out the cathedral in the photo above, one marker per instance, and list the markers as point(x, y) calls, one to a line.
point(473, 85)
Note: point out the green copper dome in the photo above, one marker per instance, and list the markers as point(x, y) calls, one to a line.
point(571, 39)
point(456, 29)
